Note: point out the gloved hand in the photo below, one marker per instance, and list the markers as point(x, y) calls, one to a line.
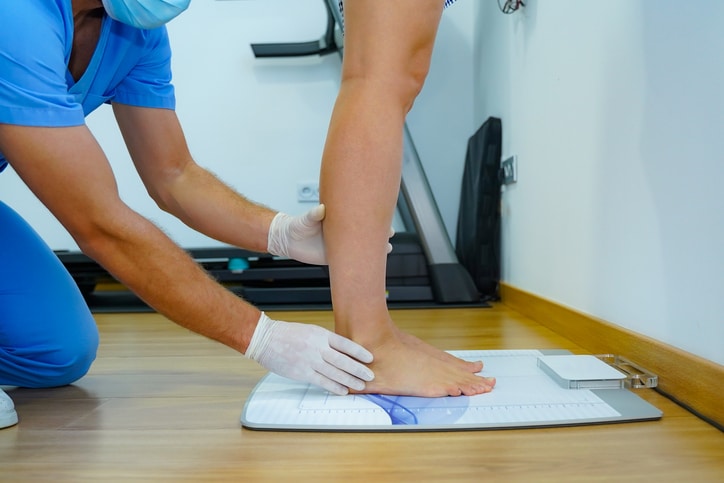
point(310, 353)
point(300, 237)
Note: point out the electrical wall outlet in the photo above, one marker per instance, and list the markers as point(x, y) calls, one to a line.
point(509, 170)
point(308, 192)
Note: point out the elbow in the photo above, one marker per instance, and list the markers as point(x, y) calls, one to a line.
point(168, 188)
point(162, 199)
point(101, 232)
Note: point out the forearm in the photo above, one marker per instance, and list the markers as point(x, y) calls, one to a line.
point(183, 188)
point(141, 257)
point(206, 204)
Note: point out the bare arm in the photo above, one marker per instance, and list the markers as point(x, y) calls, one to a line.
point(183, 188)
point(69, 173)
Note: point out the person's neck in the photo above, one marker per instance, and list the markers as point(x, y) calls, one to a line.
point(87, 22)
point(83, 7)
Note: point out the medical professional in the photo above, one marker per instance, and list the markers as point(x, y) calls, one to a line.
point(60, 60)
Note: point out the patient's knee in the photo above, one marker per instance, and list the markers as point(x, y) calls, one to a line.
point(388, 90)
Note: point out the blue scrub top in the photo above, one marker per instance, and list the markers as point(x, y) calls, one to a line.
point(129, 66)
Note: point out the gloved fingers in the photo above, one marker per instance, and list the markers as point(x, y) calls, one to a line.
point(331, 371)
point(347, 365)
point(313, 216)
point(349, 347)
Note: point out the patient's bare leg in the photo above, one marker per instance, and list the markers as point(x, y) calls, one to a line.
point(387, 53)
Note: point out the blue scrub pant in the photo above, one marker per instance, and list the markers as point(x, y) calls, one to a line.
point(47, 334)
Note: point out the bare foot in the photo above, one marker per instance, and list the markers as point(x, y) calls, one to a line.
point(421, 345)
point(404, 370)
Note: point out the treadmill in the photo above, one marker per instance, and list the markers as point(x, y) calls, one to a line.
point(422, 269)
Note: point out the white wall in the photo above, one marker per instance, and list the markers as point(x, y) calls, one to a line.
point(615, 109)
point(442, 121)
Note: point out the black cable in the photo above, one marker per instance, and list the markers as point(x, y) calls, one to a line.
point(510, 6)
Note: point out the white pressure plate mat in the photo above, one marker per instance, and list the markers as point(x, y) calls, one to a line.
point(524, 396)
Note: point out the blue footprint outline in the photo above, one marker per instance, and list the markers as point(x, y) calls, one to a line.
point(411, 410)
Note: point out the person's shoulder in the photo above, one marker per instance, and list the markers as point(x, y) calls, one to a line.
point(35, 14)
point(35, 25)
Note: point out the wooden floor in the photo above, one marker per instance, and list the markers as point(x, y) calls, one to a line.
point(162, 404)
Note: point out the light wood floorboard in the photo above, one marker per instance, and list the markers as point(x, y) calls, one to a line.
point(163, 404)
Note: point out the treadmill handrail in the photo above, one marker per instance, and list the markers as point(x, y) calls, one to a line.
point(327, 44)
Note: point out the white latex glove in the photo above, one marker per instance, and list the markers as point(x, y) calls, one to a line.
point(300, 237)
point(310, 353)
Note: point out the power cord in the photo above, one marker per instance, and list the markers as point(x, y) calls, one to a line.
point(510, 6)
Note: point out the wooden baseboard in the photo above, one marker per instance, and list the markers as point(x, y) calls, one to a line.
point(692, 380)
